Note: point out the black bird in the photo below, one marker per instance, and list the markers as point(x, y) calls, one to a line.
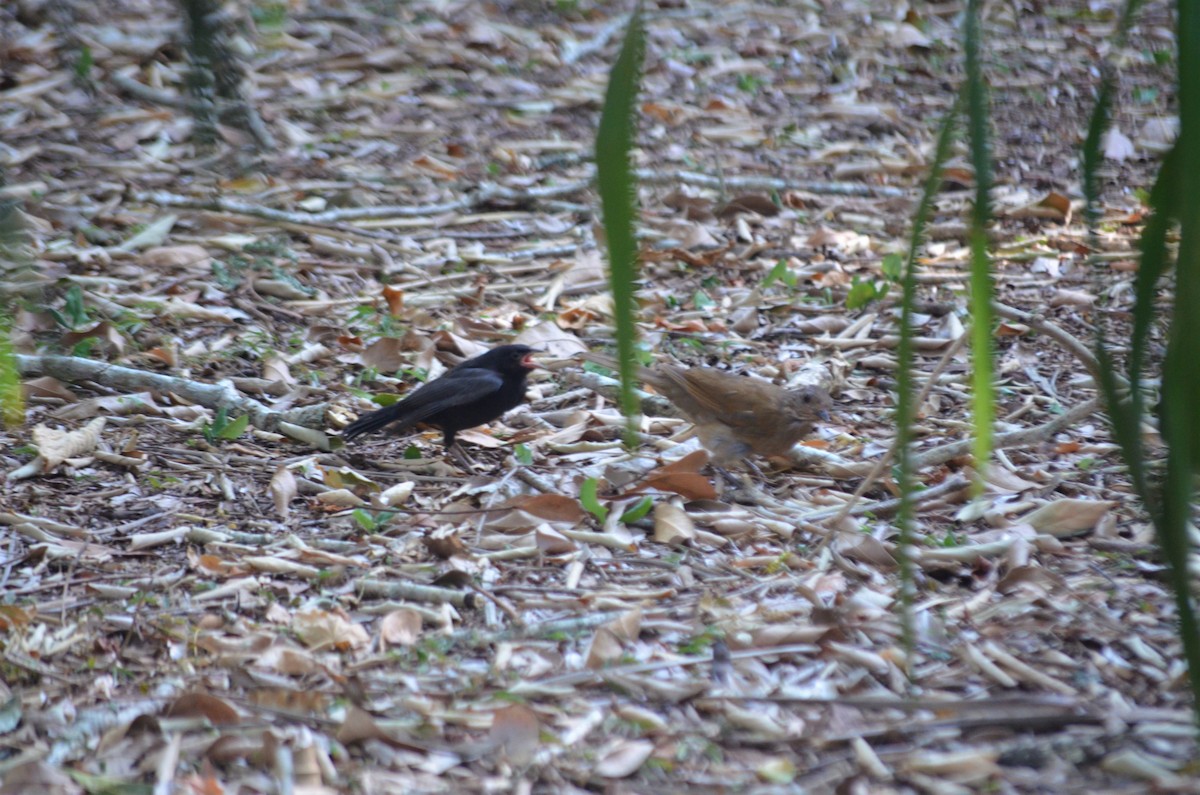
point(474, 392)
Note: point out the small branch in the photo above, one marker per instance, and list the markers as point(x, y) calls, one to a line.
point(883, 507)
point(877, 470)
point(126, 379)
point(1080, 351)
point(1003, 441)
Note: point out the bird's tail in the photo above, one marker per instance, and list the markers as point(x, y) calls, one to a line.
point(372, 422)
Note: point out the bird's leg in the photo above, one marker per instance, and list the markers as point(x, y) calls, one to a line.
point(730, 478)
point(459, 456)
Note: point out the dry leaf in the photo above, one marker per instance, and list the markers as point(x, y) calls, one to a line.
point(283, 490)
point(173, 257)
point(47, 387)
point(516, 733)
point(400, 628)
point(623, 758)
point(672, 525)
point(551, 507)
point(56, 446)
point(1117, 145)
point(329, 629)
point(605, 648)
point(202, 705)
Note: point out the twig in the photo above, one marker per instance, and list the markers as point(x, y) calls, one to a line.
point(882, 507)
point(1056, 333)
point(1025, 436)
point(213, 396)
point(875, 472)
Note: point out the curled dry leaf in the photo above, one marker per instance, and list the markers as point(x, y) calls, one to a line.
point(672, 525)
point(386, 354)
point(397, 494)
point(172, 257)
point(605, 648)
point(55, 446)
point(400, 628)
point(48, 387)
point(283, 490)
point(329, 629)
point(551, 507)
point(515, 733)
point(552, 542)
point(551, 339)
point(359, 726)
point(111, 405)
point(623, 758)
point(287, 661)
point(202, 705)
point(276, 369)
point(340, 498)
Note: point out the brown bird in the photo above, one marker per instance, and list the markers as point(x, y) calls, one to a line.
point(734, 415)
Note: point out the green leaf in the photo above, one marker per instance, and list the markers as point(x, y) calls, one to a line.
point(77, 314)
point(892, 266)
point(778, 273)
point(412, 453)
point(84, 63)
point(234, 428)
point(364, 520)
point(589, 500)
point(12, 397)
point(523, 454)
point(618, 199)
point(638, 511)
point(83, 349)
point(862, 292)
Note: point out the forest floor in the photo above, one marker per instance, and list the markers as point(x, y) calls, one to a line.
point(187, 601)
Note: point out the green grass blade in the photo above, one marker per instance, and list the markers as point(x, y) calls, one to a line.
point(905, 387)
point(618, 201)
point(1179, 420)
point(12, 257)
point(983, 392)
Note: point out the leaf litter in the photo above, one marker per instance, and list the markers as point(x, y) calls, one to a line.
point(264, 604)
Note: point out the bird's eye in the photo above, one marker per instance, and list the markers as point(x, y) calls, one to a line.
point(807, 398)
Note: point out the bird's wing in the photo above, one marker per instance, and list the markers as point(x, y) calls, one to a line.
point(723, 396)
point(455, 388)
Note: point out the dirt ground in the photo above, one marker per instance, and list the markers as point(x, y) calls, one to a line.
point(192, 603)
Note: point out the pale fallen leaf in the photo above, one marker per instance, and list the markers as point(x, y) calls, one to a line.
point(341, 498)
point(203, 705)
point(515, 732)
point(329, 629)
point(1117, 145)
point(151, 235)
point(48, 387)
point(173, 257)
point(672, 525)
point(283, 490)
point(623, 758)
point(605, 648)
point(276, 369)
point(55, 446)
point(397, 494)
point(400, 628)
point(552, 542)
